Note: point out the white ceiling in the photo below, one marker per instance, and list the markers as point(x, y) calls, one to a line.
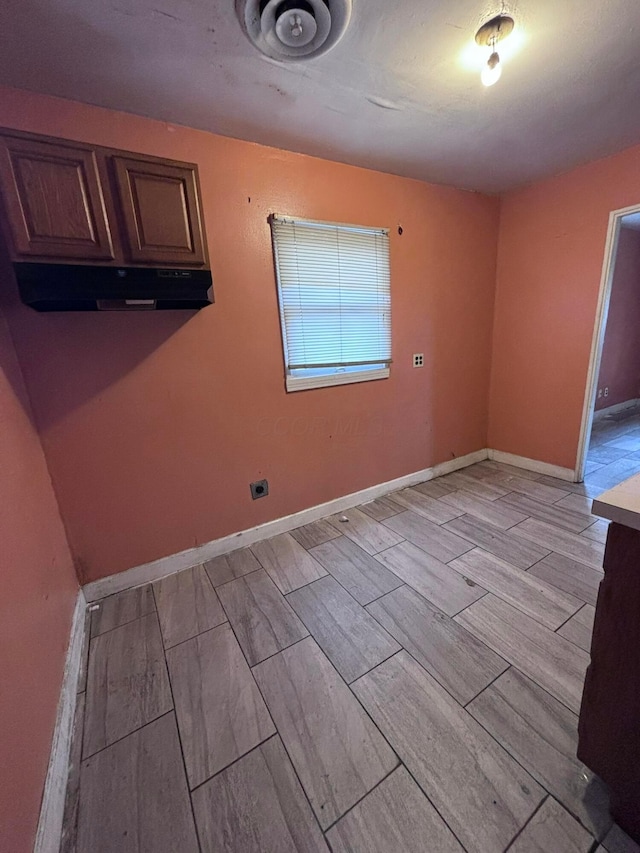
point(400, 92)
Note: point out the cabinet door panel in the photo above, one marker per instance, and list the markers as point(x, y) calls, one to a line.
point(161, 212)
point(53, 200)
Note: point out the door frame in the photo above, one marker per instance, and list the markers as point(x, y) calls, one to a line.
point(597, 341)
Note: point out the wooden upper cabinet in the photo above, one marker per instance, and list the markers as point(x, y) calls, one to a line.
point(53, 200)
point(160, 212)
point(69, 202)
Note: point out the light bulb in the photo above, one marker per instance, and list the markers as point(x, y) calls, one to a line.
point(492, 70)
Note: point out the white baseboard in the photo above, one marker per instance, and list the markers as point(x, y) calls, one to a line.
point(533, 465)
point(161, 568)
point(617, 407)
point(49, 831)
point(157, 569)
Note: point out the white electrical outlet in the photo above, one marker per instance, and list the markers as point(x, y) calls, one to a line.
point(599, 393)
point(606, 391)
point(418, 359)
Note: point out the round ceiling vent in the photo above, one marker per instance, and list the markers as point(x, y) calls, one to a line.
point(291, 30)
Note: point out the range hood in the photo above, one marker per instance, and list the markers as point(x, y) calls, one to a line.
point(73, 287)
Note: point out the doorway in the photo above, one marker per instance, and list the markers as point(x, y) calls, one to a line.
point(609, 447)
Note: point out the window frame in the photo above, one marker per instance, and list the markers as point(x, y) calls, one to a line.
point(340, 375)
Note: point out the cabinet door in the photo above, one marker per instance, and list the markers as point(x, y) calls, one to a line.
point(161, 212)
point(53, 200)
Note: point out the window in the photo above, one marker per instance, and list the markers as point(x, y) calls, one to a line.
point(335, 302)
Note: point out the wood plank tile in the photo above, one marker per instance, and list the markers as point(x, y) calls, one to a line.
point(395, 817)
point(84, 654)
point(480, 470)
point(349, 636)
point(538, 599)
point(565, 486)
point(551, 661)
point(121, 608)
point(501, 543)
point(542, 735)
point(257, 805)
point(381, 508)
point(503, 467)
point(434, 540)
point(260, 615)
point(532, 488)
point(454, 657)
point(428, 507)
point(69, 837)
point(552, 828)
point(493, 512)
point(364, 577)
point(580, 627)
point(618, 841)
point(561, 541)
point(597, 531)
point(605, 454)
point(134, 797)
point(630, 428)
point(481, 792)
point(570, 576)
point(483, 488)
point(310, 535)
point(552, 513)
point(229, 566)
point(338, 753)
point(578, 503)
point(615, 472)
point(626, 422)
point(370, 535)
point(220, 712)
point(599, 431)
point(447, 589)
point(628, 443)
point(287, 563)
point(434, 488)
point(127, 684)
point(605, 478)
point(187, 605)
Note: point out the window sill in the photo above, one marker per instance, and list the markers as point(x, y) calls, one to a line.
point(304, 383)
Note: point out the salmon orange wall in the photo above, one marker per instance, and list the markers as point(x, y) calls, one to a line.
point(620, 364)
point(154, 425)
point(39, 589)
point(550, 253)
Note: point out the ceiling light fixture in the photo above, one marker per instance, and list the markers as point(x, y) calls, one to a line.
point(489, 35)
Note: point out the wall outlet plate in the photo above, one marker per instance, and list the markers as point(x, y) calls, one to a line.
point(418, 359)
point(259, 489)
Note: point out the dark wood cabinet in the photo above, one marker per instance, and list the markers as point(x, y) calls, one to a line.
point(53, 200)
point(68, 202)
point(160, 212)
point(609, 725)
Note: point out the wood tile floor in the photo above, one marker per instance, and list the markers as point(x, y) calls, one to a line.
point(614, 451)
point(406, 677)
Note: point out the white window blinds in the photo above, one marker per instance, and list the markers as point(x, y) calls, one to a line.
point(335, 302)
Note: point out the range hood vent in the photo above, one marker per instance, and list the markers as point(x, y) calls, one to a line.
point(73, 287)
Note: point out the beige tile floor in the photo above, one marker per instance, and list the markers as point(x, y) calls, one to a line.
point(407, 679)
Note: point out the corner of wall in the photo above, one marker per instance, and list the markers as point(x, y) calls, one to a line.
point(488, 435)
point(40, 591)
